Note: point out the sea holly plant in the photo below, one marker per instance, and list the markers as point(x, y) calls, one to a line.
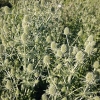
point(49, 50)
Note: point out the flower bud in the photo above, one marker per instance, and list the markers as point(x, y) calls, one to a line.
point(90, 38)
point(52, 90)
point(7, 10)
point(88, 49)
point(59, 53)
point(53, 46)
point(66, 31)
point(63, 48)
point(46, 60)
point(30, 68)
point(59, 66)
point(8, 85)
point(89, 77)
point(48, 39)
point(79, 56)
point(96, 65)
point(44, 97)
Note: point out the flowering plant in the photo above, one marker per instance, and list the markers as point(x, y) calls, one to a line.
point(49, 50)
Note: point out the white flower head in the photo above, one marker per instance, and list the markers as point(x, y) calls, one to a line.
point(64, 98)
point(8, 85)
point(7, 10)
point(66, 31)
point(90, 78)
point(79, 56)
point(75, 50)
point(96, 98)
point(53, 45)
point(88, 49)
point(46, 60)
point(30, 68)
point(90, 38)
point(59, 6)
point(59, 53)
point(48, 39)
point(63, 48)
point(96, 65)
point(59, 66)
point(52, 90)
point(44, 97)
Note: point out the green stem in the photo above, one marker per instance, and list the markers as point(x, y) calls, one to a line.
point(24, 58)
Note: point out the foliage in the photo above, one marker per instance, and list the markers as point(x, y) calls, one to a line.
point(49, 50)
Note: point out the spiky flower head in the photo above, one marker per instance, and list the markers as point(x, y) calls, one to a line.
point(46, 60)
point(66, 31)
point(59, 66)
point(75, 50)
point(59, 53)
point(53, 45)
point(79, 56)
point(8, 85)
point(96, 98)
point(96, 65)
point(7, 10)
point(44, 97)
point(90, 38)
point(30, 68)
point(88, 49)
point(63, 48)
point(52, 90)
point(64, 98)
point(90, 78)
point(48, 39)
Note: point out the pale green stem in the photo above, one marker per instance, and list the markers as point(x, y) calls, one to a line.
point(68, 45)
point(74, 41)
point(24, 58)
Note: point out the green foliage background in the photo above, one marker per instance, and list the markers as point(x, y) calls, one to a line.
point(29, 66)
